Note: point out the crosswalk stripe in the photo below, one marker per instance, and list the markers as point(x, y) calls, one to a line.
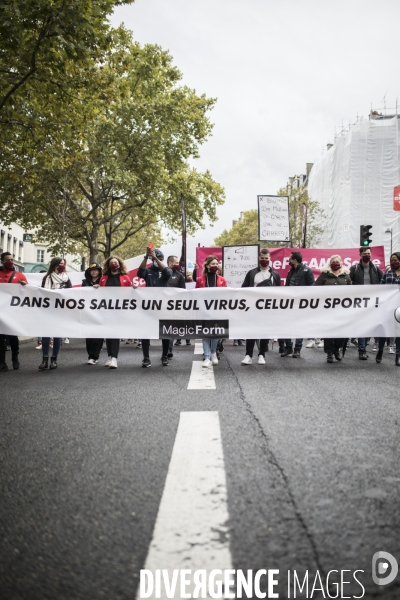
point(191, 527)
point(201, 378)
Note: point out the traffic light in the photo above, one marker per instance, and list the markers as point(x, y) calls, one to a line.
point(365, 235)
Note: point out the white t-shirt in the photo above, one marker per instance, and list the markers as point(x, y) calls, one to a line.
point(262, 276)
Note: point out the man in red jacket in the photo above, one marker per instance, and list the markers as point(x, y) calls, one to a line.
point(8, 274)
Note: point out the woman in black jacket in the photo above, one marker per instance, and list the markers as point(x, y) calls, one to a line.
point(55, 279)
point(93, 345)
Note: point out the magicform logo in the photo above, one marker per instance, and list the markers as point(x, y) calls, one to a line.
point(215, 328)
point(381, 574)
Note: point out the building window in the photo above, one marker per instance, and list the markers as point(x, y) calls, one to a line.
point(40, 256)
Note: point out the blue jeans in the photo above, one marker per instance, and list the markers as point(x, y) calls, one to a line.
point(298, 344)
point(209, 347)
point(46, 346)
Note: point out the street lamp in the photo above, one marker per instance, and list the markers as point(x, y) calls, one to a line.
point(389, 230)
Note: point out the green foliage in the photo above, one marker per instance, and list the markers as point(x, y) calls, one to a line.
point(315, 216)
point(115, 161)
point(245, 231)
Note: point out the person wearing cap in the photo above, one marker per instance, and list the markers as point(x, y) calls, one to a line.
point(8, 274)
point(115, 274)
point(158, 275)
point(92, 279)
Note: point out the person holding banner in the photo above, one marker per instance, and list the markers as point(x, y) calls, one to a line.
point(8, 274)
point(176, 280)
point(365, 273)
point(54, 279)
point(299, 274)
point(93, 345)
point(261, 276)
point(335, 274)
point(115, 274)
point(210, 278)
point(391, 277)
point(158, 275)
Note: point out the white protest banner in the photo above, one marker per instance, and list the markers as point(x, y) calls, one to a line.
point(267, 312)
point(236, 261)
point(273, 218)
point(76, 277)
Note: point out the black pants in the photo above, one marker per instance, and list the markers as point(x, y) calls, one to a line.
point(112, 348)
point(93, 347)
point(250, 347)
point(146, 348)
point(14, 343)
point(332, 345)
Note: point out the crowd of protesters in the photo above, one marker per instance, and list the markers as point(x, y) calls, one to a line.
point(114, 273)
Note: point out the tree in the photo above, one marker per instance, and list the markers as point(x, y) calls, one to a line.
point(245, 231)
point(39, 39)
point(118, 160)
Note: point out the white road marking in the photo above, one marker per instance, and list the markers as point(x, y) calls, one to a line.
point(191, 527)
point(198, 348)
point(201, 378)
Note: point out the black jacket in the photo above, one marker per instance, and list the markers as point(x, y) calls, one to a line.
point(301, 276)
point(250, 275)
point(357, 274)
point(176, 280)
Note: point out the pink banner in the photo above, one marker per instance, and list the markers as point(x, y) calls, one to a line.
point(315, 258)
point(202, 253)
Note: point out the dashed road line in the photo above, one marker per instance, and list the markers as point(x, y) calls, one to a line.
point(191, 527)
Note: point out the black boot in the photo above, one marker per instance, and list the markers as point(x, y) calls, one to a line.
point(44, 364)
point(336, 354)
point(3, 367)
point(329, 358)
point(397, 363)
point(362, 355)
point(287, 352)
point(378, 356)
point(15, 361)
point(53, 362)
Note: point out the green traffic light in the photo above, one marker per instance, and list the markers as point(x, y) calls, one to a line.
point(366, 243)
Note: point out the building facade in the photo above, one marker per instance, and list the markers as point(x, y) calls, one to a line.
point(30, 256)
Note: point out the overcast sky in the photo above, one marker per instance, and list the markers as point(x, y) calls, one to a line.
point(286, 73)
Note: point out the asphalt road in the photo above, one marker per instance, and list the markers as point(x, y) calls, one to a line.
point(311, 455)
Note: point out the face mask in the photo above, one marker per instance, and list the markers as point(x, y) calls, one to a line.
point(175, 267)
point(213, 269)
point(9, 265)
point(264, 262)
point(394, 265)
point(114, 267)
point(155, 265)
point(366, 259)
point(335, 266)
point(61, 268)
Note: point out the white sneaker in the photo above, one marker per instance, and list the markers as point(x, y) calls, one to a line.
point(206, 363)
point(247, 360)
point(214, 359)
point(311, 344)
point(320, 344)
point(108, 363)
point(261, 360)
point(391, 350)
point(375, 348)
point(66, 340)
point(91, 361)
point(39, 346)
point(113, 364)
